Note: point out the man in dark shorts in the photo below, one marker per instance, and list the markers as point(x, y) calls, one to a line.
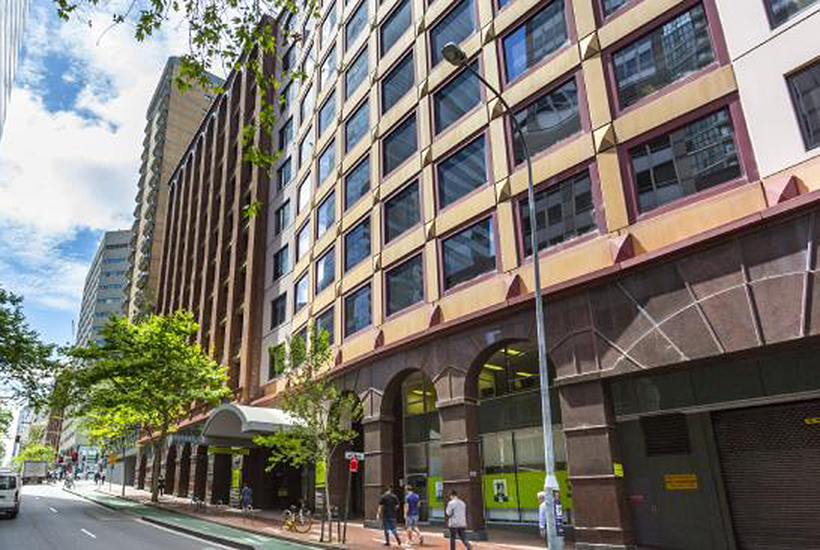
point(387, 511)
point(411, 515)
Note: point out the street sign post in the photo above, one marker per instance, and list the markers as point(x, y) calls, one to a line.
point(354, 459)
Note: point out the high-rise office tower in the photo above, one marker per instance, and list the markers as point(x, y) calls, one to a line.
point(12, 21)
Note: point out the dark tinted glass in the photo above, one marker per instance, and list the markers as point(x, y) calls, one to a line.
point(303, 242)
point(281, 218)
point(457, 25)
point(281, 262)
point(356, 73)
point(325, 215)
point(357, 182)
point(469, 253)
point(394, 26)
point(358, 311)
point(288, 59)
point(562, 211)
point(698, 156)
point(324, 323)
point(456, 98)
point(667, 54)
point(398, 82)
point(278, 311)
point(462, 172)
point(328, 69)
point(357, 244)
point(327, 114)
point(327, 162)
point(611, 5)
point(326, 270)
point(356, 23)
point(401, 212)
point(548, 120)
point(780, 11)
point(286, 134)
point(805, 88)
point(405, 285)
point(285, 174)
point(356, 126)
point(301, 298)
point(539, 36)
point(399, 145)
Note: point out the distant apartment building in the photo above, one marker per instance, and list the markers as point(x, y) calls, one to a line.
point(172, 118)
point(12, 23)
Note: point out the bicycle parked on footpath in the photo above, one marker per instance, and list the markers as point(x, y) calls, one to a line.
point(299, 521)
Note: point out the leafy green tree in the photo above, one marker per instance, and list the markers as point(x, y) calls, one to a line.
point(35, 451)
point(6, 418)
point(323, 413)
point(147, 375)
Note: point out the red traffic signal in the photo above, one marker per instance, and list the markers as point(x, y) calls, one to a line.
point(354, 465)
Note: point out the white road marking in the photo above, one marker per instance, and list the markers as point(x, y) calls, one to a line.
point(89, 533)
point(52, 509)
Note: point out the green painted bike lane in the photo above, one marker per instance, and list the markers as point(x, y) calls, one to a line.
point(207, 530)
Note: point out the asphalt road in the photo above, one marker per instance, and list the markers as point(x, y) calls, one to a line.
point(51, 518)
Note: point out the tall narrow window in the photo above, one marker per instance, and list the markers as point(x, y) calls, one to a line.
point(281, 263)
point(327, 114)
point(326, 270)
point(358, 310)
point(665, 55)
point(535, 39)
point(398, 82)
point(548, 120)
point(328, 70)
point(286, 134)
point(780, 11)
point(357, 182)
point(301, 293)
point(469, 253)
point(805, 89)
point(399, 145)
point(356, 73)
point(281, 218)
point(401, 212)
point(325, 325)
point(325, 215)
point(303, 241)
point(305, 194)
point(462, 172)
point(279, 310)
point(309, 62)
point(327, 162)
point(357, 245)
point(404, 285)
point(306, 107)
point(356, 24)
point(456, 98)
point(562, 212)
point(329, 26)
point(395, 26)
point(306, 148)
point(357, 125)
point(455, 27)
point(285, 174)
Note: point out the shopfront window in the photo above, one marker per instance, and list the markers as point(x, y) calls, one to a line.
point(422, 458)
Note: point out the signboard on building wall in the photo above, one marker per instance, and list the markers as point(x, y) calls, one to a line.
point(680, 482)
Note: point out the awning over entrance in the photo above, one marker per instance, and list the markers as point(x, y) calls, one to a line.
point(232, 422)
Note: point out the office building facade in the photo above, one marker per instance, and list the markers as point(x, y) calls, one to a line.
point(12, 24)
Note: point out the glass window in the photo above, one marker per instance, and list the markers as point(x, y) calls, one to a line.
point(780, 11)
point(356, 24)
point(358, 311)
point(281, 263)
point(305, 194)
point(462, 172)
point(562, 211)
point(306, 107)
point(548, 120)
point(404, 285)
point(328, 71)
point(394, 26)
point(281, 218)
point(303, 242)
point(469, 253)
point(326, 270)
point(456, 98)
point(327, 162)
point(698, 156)
point(357, 125)
point(327, 114)
point(455, 27)
point(667, 54)
point(309, 63)
point(535, 39)
point(277, 363)
point(399, 144)
point(329, 26)
point(279, 310)
point(301, 299)
point(805, 89)
point(401, 212)
point(398, 82)
point(356, 73)
point(286, 134)
point(357, 244)
point(284, 174)
point(286, 97)
point(306, 148)
point(289, 59)
point(325, 215)
point(357, 182)
point(324, 323)
point(610, 6)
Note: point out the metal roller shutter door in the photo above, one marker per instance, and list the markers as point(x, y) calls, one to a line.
point(770, 458)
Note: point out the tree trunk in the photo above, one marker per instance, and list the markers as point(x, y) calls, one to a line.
point(157, 445)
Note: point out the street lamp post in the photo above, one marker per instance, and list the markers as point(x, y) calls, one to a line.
point(555, 536)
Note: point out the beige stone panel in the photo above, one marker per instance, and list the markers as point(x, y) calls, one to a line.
point(402, 246)
point(431, 271)
point(408, 323)
point(434, 11)
point(398, 112)
point(485, 13)
point(584, 16)
point(352, 157)
point(300, 318)
point(301, 267)
point(376, 226)
point(300, 218)
point(352, 103)
point(324, 298)
point(569, 263)
point(469, 207)
point(358, 344)
point(357, 213)
point(356, 276)
point(612, 190)
point(633, 19)
point(403, 173)
point(447, 142)
point(807, 173)
point(376, 168)
point(690, 220)
point(709, 87)
point(498, 143)
point(484, 294)
point(471, 47)
point(321, 245)
point(569, 154)
point(401, 47)
point(597, 97)
point(423, 124)
point(507, 235)
point(377, 298)
point(489, 66)
point(546, 74)
point(329, 135)
point(428, 194)
point(511, 15)
point(324, 189)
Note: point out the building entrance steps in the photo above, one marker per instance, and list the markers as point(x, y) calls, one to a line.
point(178, 513)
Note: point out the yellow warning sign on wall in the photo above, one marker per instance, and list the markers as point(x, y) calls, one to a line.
point(618, 469)
point(680, 482)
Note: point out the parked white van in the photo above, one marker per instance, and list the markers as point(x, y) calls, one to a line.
point(10, 486)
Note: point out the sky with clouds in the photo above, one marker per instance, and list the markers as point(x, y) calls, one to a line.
point(70, 152)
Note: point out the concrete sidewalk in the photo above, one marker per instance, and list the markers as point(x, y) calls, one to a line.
point(267, 524)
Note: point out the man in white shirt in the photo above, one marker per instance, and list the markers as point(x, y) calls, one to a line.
point(456, 514)
point(542, 514)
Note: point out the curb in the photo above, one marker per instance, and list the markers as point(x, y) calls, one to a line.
point(199, 534)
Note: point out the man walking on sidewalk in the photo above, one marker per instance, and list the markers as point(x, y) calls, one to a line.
point(411, 515)
point(387, 511)
point(456, 514)
point(542, 515)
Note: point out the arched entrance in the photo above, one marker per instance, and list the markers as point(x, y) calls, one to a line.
point(201, 472)
point(506, 384)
